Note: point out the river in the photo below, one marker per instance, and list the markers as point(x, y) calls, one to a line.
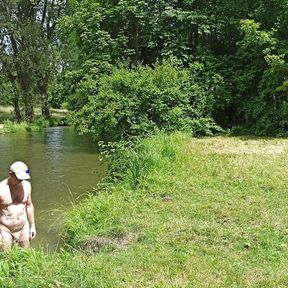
point(63, 167)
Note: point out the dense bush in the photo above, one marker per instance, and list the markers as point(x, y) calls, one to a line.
point(255, 78)
point(144, 100)
point(245, 44)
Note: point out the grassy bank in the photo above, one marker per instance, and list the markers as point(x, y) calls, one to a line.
point(178, 212)
point(8, 125)
point(6, 112)
point(38, 124)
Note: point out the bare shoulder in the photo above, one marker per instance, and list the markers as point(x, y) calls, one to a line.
point(26, 186)
point(4, 189)
point(3, 185)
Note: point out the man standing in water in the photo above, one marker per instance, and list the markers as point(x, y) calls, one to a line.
point(16, 208)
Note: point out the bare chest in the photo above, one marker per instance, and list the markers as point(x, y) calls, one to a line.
point(13, 197)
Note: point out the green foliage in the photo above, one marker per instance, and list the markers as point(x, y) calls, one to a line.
point(27, 53)
point(143, 100)
point(132, 164)
point(243, 47)
point(39, 124)
point(253, 77)
point(98, 36)
point(234, 42)
point(6, 91)
point(12, 127)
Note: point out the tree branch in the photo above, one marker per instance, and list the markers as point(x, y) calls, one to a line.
point(13, 43)
point(44, 13)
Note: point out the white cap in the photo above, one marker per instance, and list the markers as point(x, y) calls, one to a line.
point(21, 170)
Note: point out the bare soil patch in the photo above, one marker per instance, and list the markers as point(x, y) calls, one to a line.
point(120, 242)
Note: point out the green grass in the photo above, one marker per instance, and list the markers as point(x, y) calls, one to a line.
point(8, 125)
point(11, 127)
point(5, 113)
point(38, 124)
point(184, 212)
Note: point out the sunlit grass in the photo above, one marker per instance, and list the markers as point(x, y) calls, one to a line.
point(8, 124)
point(190, 212)
point(11, 127)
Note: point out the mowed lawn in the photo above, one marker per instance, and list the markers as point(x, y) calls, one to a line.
point(223, 222)
point(190, 212)
point(233, 201)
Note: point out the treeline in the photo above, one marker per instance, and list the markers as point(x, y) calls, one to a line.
point(133, 67)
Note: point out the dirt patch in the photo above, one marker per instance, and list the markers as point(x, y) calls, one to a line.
point(119, 242)
point(167, 199)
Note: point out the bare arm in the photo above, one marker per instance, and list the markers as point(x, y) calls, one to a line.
point(30, 215)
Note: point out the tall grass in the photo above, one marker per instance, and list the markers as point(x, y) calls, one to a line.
point(37, 125)
point(8, 125)
point(182, 212)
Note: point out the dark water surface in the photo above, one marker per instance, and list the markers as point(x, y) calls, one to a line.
point(63, 166)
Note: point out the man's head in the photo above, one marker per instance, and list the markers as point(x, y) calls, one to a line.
point(20, 170)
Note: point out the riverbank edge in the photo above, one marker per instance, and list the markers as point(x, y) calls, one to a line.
point(8, 125)
point(82, 242)
point(38, 124)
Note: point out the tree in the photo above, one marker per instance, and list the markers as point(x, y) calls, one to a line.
point(27, 50)
point(237, 39)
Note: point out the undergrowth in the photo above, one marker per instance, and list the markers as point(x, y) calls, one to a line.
point(38, 124)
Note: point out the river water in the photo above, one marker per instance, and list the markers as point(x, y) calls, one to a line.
point(63, 167)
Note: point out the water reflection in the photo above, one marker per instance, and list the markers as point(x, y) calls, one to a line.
point(63, 165)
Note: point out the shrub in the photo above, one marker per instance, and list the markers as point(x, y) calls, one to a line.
point(11, 127)
point(145, 100)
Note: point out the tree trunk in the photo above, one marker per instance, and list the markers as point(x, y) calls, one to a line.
point(15, 98)
point(194, 38)
point(16, 107)
point(29, 110)
point(26, 81)
point(45, 106)
point(135, 38)
point(42, 87)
